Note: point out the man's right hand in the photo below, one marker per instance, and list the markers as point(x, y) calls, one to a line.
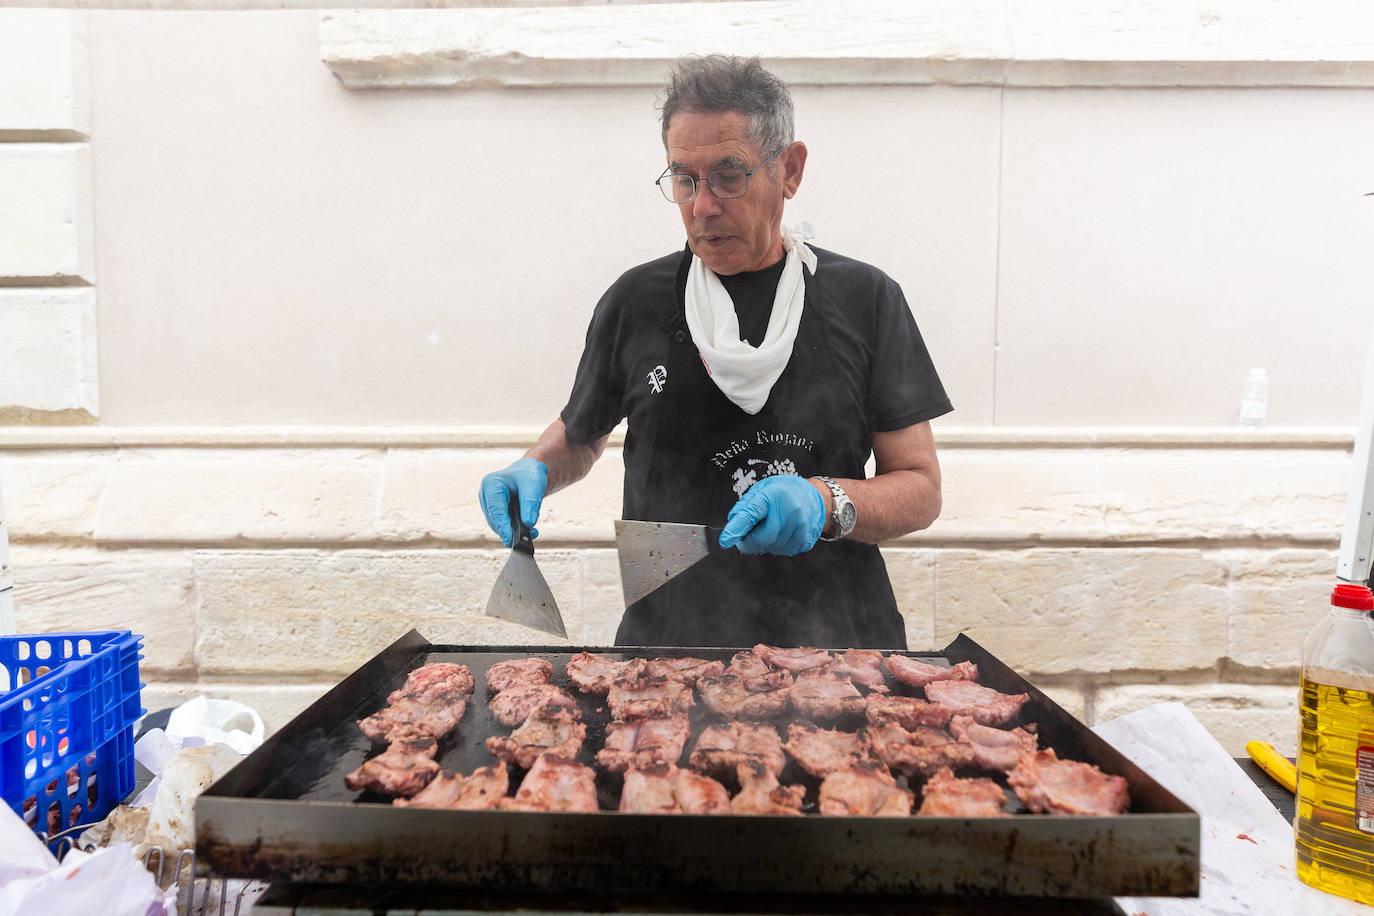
point(528, 479)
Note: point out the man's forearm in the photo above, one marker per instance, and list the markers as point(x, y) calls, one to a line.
point(567, 461)
point(886, 506)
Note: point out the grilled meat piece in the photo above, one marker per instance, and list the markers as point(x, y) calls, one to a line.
point(821, 751)
point(993, 748)
point(666, 789)
point(918, 752)
point(687, 670)
point(647, 698)
point(755, 674)
point(983, 704)
point(484, 789)
point(720, 749)
point(863, 667)
point(794, 660)
point(908, 712)
point(555, 783)
point(518, 672)
point(1048, 785)
point(918, 674)
point(945, 796)
point(760, 793)
point(819, 694)
point(435, 678)
point(404, 768)
point(864, 790)
point(550, 729)
point(644, 742)
point(727, 696)
point(514, 704)
point(596, 673)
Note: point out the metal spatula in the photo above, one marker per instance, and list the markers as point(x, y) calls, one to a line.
point(520, 594)
point(651, 553)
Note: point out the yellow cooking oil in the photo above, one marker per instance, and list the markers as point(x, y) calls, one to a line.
point(1335, 799)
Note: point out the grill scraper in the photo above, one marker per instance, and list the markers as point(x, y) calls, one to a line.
point(520, 594)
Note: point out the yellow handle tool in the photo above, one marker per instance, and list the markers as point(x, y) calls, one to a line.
point(1273, 763)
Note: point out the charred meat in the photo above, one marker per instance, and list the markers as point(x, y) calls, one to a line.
point(433, 700)
point(760, 793)
point(514, 704)
point(864, 790)
point(756, 675)
point(648, 698)
point(993, 748)
point(688, 670)
point(484, 789)
point(918, 674)
point(821, 751)
point(404, 768)
point(666, 789)
point(549, 729)
point(794, 660)
point(919, 752)
point(819, 694)
point(435, 678)
point(728, 697)
point(863, 667)
point(644, 743)
point(908, 712)
point(721, 749)
point(596, 673)
point(982, 704)
point(555, 783)
point(1047, 785)
point(943, 795)
point(518, 672)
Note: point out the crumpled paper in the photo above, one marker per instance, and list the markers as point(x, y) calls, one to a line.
point(110, 881)
point(1247, 847)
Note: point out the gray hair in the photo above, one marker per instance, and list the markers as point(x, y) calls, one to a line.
point(721, 82)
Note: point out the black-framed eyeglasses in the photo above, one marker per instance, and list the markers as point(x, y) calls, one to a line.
point(726, 184)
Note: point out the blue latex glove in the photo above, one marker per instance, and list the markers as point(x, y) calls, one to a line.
point(528, 479)
point(782, 515)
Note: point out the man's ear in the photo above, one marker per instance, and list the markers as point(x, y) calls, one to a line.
point(793, 164)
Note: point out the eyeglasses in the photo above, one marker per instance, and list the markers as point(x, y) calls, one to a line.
point(726, 184)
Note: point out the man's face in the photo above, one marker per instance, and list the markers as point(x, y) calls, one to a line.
point(730, 236)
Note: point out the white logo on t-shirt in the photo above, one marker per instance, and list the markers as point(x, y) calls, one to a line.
point(657, 376)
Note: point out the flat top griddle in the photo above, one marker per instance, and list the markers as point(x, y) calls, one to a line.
point(285, 814)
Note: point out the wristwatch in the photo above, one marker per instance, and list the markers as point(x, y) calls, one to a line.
point(845, 515)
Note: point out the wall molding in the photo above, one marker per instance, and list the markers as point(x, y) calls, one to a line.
point(1026, 43)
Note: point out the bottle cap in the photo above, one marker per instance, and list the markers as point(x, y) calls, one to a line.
point(1355, 597)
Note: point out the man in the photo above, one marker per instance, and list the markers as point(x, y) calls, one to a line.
point(756, 375)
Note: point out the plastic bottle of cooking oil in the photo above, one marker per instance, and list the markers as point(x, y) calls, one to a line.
point(1335, 811)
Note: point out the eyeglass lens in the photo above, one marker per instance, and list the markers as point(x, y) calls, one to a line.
point(725, 184)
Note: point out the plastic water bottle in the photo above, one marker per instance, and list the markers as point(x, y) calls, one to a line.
point(1335, 811)
point(1254, 402)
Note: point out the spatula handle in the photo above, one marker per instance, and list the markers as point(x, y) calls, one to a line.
point(520, 535)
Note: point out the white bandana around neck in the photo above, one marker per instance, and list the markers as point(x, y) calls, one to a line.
point(746, 374)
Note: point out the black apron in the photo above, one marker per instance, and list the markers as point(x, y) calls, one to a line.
point(689, 455)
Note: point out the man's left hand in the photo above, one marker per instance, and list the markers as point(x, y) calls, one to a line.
point(782, 515)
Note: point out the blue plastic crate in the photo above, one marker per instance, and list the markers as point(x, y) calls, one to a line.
point(68, 704)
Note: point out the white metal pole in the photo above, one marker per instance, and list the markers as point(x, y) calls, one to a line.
point(1357, 540)
point(6, 577)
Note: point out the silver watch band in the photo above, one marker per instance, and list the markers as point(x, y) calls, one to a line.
point(843, 515)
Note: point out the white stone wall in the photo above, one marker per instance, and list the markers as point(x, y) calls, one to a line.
point(324, 313)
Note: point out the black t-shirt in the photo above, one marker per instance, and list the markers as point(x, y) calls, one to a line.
point(858, 366)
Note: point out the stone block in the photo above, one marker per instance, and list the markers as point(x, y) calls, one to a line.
point(218, 496)
point(53, 494)
point(1045, 611)
point(1074, 700)
point(1276, 598)
point(278, 704)
point(432, 493)
point(45, 211)
point(1233, 713)
point(48, 344)
point(603, 599)
point(912, 573)
point(149, 592)
point(44, 74)
point(304, 612)
point(1018, 494)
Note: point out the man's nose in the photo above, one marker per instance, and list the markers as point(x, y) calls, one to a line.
point(705, 203)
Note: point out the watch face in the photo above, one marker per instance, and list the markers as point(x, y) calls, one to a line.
point(847, 516)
